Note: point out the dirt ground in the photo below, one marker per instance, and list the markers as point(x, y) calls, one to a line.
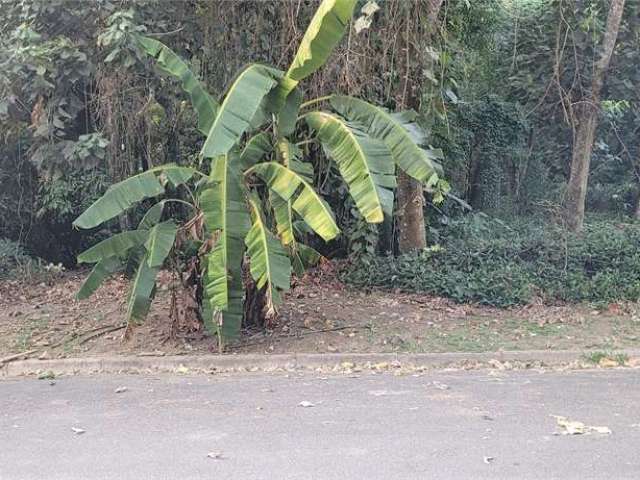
point(319, 315)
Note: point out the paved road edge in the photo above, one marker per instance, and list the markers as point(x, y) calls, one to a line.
point(301, 361)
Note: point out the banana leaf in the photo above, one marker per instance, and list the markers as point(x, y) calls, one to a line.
point(170, 63)
point(243, 102)
point(160, 242)
point(365, 164)
point(115, 246)
point(227, 219)
point(325, 31)
point(269, 264)
point(390, 129)
point(101, 271)
point(308, 204)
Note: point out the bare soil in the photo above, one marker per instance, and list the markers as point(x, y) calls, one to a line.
point(319, 315)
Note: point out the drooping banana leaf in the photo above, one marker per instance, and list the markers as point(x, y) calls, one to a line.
point(283, 215)
point(118, 198)
point(152, 216)
point(407, 119)
point(237, 113)
point(121, 196)
point(388, 128)
point(308, 204)
point(175, 174)
point(223, 285)
point(98, 275)
point(365, 164)
point(325, 31)
point(142, 291)
point(269, 264)
point(256, 148)
point(209, 317)
point(115, 246)
point(160, 242)
point(288, 114)
point(168, 62)
point(227, 219)
point(289, 155)
point(304, 257)
point(278, 178)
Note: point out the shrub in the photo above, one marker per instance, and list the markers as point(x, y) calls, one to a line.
point(488, 261)
point(15, 263)
point(12, 255)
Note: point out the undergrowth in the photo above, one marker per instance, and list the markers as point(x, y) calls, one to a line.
point(485, 260)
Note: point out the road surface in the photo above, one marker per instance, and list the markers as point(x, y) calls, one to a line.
point(459, 425)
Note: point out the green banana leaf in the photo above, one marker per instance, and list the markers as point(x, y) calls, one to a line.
point(283, 215)
point(237, 113)
point(407, 119)
point(325, 31)
point(168, 62)
point(98, 275)
point(304, 257)
point(142, 291)
point(160, 242)
point(210, 318)
point(174, 174)
point(289, 155)
point(390, 129)
point(301, 256)
point(152, 216)
point(115, 246)
point(269, 264)
point(365, 164)
point(121, 196)
point(255, 149)
point(288, 115)
point(308, 204)
point(226, 217)
point(118, 198)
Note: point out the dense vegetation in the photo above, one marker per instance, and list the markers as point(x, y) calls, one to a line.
point(510, 92)
point(488, 261)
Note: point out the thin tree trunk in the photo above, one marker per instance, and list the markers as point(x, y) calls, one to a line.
point(636, 211)
point(587, 122)
point(411, 227)
point(412, 233)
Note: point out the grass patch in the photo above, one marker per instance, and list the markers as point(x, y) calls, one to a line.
point(603, 358)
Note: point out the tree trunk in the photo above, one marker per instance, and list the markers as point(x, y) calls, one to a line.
point(636, 211)
point(411, 227)
point(412, 234)
point(587, 122)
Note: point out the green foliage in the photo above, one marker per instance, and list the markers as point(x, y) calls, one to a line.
point(16, 263)
point(12, 255)
point(488, 261)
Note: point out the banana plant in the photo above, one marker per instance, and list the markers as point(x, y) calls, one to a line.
point(252, 189)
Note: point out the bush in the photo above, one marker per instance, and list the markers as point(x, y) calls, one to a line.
point(15, 263)
point(12, 256)
point(488, 261)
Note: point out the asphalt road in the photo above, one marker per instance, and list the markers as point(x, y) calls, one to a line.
point(435, 426)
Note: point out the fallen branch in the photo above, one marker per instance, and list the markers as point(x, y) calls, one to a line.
point(17, 356)
point(97, 333)
point(335, 329)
